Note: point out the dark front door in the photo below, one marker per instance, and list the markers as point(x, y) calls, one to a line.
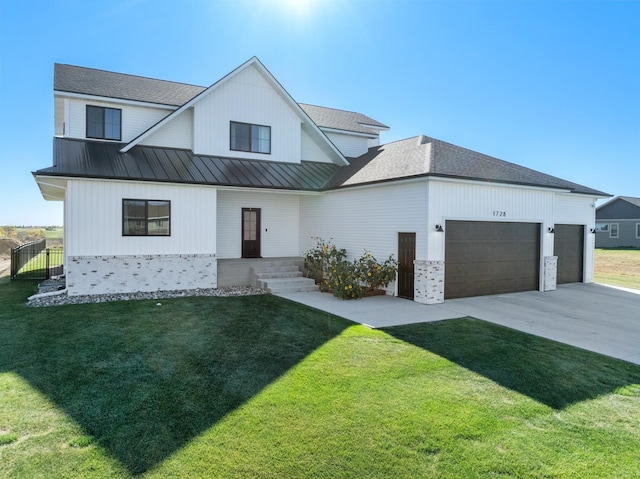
point(406, 256)
point(568, 246)
point(251, 232)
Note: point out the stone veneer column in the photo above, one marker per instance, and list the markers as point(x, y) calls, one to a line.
point(428, 282)
point(550, 272)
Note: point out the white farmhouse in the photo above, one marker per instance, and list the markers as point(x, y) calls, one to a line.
point(170, 186)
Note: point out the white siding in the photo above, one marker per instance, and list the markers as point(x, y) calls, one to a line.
point(349, 145)
point(249, 98)
point(310, 150)
point(93, 219)
point(449, 200)
point(279, 222)
point(58, 108)
point(574, 209)
point(135, 119)
point(579, 210)
point(178, 133)
point(366, 218)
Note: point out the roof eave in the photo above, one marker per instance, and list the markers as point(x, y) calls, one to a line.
point(111, 99)
point(592, 194)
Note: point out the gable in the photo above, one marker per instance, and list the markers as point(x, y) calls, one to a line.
point(246, 98)
point(250, 96)
point(620, 208)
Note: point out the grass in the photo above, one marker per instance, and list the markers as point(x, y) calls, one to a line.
point(618, 267)
point(263, 387)
point(53, 234)
point(36, 268)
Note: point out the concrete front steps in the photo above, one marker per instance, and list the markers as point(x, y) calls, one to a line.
point(281, 277)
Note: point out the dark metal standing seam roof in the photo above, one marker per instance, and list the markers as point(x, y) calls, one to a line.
point(95, 159)
point(415, 157)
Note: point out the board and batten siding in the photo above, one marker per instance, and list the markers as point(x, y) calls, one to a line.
point(135, 119)
point(579, 210)
point(310, 151)
point(468, 201)
point(248, 98)
point(367, 218)
point(279, 222)
point(178, 133)
point(575, 209)
point(93, 217)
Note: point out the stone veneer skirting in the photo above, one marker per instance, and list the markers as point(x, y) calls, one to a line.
point(428, 282)
point(550, 272)
point(88, 275)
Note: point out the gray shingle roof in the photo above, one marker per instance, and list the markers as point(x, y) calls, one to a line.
point(418, 156)
point(341, 119)
point(88, 81)
point(95, 159)
point(424, 156)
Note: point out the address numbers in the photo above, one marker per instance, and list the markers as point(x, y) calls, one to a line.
point(499, 213)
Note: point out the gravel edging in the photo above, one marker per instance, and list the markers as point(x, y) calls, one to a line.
point(64, 298)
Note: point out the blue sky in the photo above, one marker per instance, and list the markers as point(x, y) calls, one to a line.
point(551, 85)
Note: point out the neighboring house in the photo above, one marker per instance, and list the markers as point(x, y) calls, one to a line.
point(618, 223)
point(173, 186)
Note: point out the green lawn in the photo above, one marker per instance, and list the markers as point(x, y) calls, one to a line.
point(55, 233)
point(37, 266)
point(262, 387)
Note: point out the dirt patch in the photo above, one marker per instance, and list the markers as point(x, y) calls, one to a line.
point(6, 245)
point(5, 265)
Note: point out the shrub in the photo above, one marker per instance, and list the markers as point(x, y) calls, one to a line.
point(345, 281)
point(374, 274)
point(318, 261)
point(327, 264)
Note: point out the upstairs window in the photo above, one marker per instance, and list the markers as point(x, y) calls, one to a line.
point(146, 218)
point(252, 138)
point(104, 123)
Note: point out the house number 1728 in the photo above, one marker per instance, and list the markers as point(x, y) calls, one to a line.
point(499, 213)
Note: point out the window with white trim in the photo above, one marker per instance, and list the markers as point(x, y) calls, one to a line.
point(248, 137)
point(602, 227)
point(637, 230)
point(613, 230)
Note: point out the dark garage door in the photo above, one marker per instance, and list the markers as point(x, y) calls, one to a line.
point(483, 257)
point(568, 246)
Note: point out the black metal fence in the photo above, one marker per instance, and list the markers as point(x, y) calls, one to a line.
point(35, 261)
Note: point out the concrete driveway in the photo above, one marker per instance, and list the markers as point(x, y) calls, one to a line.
point(599, 318)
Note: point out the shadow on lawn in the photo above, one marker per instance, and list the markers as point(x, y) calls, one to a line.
point(552, 373)
point(144, 380)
